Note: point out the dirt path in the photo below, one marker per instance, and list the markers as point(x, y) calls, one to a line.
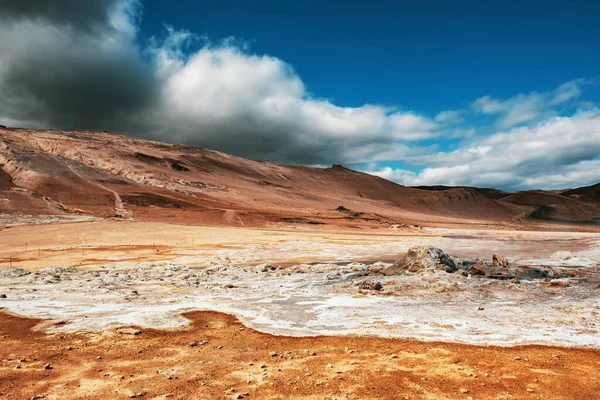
point(120, 210)
point(218, 358)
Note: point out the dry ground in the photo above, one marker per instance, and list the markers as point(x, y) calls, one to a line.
point(34, 247)
point(162, 365)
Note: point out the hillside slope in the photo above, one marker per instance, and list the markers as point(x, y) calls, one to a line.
point(108, 175)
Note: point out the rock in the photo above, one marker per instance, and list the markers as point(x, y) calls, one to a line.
point(499, 261)
point(497, 269)
point(193, 344)
point(265, 267)
point(480, 269)
point(2, 296)
point(48, 366)
point(421, 258)
point(531, 273)
point(369, 285)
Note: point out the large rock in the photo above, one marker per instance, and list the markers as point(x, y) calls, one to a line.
point(499, 268)
point(499, 261)
point(421, 258)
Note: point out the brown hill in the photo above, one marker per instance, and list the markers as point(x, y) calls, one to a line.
point(590, 194)
point(557, 207)
point(108, 175)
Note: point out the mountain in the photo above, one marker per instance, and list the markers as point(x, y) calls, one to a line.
point(113, 176)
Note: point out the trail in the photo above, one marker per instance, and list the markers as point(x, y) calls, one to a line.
point(120, 210)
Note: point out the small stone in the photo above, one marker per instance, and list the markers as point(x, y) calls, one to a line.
point(273, 354)
point(394, 356)
point(518, 358)
point(480, 308)
point(99, 358)
point(193, 344)
point(69, 348)
point(530, 390)
point(129, 331)
point(464, 391)
point(219, 347)
point(2, 296)
point(48, 366)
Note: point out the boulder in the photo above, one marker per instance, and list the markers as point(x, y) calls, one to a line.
point(422, 258)
point(499, 261)
point(499, 268)
point(480, 268)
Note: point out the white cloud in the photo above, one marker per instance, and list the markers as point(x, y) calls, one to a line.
point(561, 152)
point(450, 117)
point(530, 107)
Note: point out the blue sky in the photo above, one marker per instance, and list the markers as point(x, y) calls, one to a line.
point(420, 55)
point(479, 93)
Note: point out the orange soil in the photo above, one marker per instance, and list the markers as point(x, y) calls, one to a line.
point(160, 364)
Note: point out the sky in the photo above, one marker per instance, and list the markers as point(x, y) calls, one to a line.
point(489, 94)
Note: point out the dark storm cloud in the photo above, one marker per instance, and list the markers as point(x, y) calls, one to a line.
point(80, 13)
point(78, 69)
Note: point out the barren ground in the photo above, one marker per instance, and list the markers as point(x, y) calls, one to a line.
point(147, 274)
point(161, 365)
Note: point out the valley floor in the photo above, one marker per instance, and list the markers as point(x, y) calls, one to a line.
point(294, 292)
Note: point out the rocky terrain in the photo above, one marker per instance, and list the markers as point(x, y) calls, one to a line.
point(98, 174)
point(331, 283)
